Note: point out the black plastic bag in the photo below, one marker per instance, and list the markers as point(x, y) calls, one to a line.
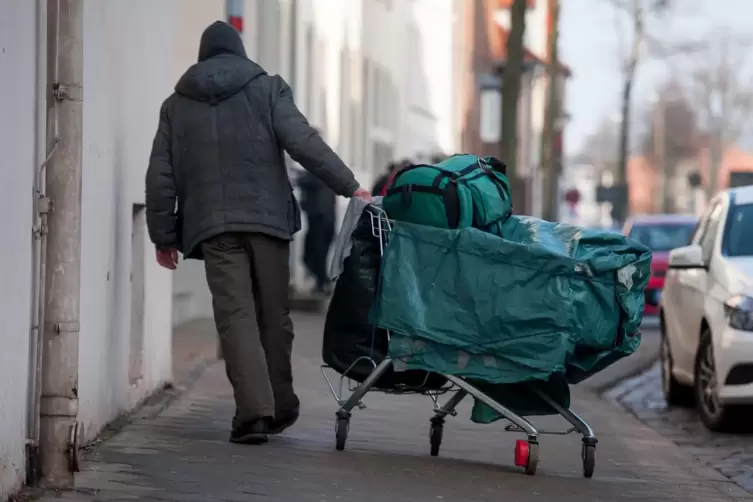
point(348, 334)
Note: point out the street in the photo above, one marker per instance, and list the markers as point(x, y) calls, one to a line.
point(182, 453)
point(730, 454)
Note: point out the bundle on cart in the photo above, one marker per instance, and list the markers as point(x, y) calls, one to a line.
point(442, 289)
point(547, 303)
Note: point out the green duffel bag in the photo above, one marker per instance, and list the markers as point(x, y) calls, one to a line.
point(459, 192)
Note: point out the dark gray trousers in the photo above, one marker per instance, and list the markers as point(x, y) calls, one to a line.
point(248, 276)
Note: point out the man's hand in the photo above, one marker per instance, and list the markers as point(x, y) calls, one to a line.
point(168, 258)
point(362, 193)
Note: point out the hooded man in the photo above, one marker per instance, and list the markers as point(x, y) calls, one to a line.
point(217, 190)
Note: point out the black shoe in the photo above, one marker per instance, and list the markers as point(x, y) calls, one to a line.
point(251, 432)
point(284, 421)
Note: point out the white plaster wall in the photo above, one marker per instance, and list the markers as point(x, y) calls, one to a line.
point(17, 144)
point(133, 55)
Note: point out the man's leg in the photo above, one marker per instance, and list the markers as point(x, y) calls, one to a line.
point(229, 275)
point(318, 254)
point(309, 246)
point(328, 236)
point(271, 274)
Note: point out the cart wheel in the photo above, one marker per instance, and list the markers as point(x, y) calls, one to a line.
point(589, 459)
point(527, 455)
point(435, 438)
point(342, 427)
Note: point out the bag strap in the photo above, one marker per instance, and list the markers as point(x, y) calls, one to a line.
point(406, 192)
point(449, 196)
point(496, 164)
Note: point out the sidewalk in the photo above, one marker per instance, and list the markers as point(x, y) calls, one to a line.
point(183, 454)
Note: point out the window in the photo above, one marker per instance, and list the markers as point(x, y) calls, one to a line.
point(308, 82)
point(663, 237)
point(365, 107)
point(738, 239)
point(490, 106)
point(708, 238)
point(383, 154)
point(354, 133)
point(346, 144)
point(703, 222)
point(376, 96)
point(138, 275)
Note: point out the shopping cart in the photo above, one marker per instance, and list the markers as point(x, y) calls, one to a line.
point(526, 450)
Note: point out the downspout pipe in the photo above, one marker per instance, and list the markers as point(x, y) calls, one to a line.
point(45, 146)
point(58, 428)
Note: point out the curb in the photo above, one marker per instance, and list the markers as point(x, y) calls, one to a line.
point(634, 372)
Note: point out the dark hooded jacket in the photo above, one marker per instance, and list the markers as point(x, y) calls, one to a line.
point(217, 163)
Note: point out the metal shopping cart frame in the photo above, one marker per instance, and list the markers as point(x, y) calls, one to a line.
point(526, 450)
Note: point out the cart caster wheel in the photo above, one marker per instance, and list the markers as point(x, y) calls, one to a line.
point(589, 459)
point(435, 438)
point(342, 427)
point(527, 455)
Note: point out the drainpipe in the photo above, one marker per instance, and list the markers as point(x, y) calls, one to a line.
point(58, 428)
point(44, 152)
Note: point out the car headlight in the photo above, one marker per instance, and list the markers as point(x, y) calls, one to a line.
point(739, 312)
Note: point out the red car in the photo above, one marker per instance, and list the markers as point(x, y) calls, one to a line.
point(661, 233)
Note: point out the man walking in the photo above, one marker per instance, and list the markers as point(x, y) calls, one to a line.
point(319, 203)
point(217, 189)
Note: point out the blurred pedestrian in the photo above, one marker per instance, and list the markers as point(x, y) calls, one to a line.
point(383, 182)
point(319, 203)
point(217, 189)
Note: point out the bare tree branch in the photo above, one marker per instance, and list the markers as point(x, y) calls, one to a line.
point(723, 97)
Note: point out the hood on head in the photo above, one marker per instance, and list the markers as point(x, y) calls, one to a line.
point(217, 78)
point(220, 38)
point(223, 69)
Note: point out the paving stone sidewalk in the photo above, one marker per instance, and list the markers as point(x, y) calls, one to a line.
point(183, 454)
point(730, 454)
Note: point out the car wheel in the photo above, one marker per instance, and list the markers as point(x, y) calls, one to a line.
point(675, 393)
point(715, 416)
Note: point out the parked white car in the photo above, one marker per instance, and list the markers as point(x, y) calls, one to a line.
point(706, 315)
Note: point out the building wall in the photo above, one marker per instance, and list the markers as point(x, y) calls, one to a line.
point(645, 183)
point(126, 300)
point(17, 165)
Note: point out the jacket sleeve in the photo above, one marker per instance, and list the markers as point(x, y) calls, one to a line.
point(305, 145)
point(161, 192)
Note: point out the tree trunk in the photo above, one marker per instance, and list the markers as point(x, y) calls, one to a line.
point(622, 205)
point(716, 149)
point(551, 114)
point(511, 76)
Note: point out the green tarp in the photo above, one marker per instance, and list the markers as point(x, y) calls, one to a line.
point(549, 304)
